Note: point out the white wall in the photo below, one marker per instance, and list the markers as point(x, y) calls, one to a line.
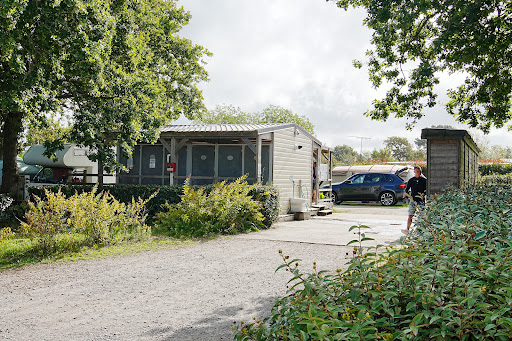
point(291, 162)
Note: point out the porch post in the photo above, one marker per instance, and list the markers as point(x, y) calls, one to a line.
point(173, 160)
point(258, 159)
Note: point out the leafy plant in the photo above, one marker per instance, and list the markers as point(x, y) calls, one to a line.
point(450, 280)
point(494, 168)
point(227, 209)
point(267, 195)
point(92, 218)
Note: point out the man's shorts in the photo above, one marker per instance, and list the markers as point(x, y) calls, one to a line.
point(413, 205)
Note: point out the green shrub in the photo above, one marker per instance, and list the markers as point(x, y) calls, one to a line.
point(494, 168)
point(61, 223)
point(267, 195)
point(227, 209)
point(496, 179)
point(6, 233)
point(451, 280)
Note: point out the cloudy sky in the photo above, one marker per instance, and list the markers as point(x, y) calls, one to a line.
point(298, 54)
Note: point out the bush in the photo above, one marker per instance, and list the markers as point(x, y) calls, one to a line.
point(496, 179)
point(61, 223)
point(227, 209)
point(494, 168)
point(451, 280)
point(267, 195)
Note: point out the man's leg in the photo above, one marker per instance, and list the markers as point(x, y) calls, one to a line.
point(409, 222)
point(412, 208)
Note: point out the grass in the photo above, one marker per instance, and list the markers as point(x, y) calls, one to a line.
point(15, 253)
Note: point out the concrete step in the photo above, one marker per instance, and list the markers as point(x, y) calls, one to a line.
point(314, 211)
point(302, 215)
point(286, 217)
point(324, 212)
point(319, 206)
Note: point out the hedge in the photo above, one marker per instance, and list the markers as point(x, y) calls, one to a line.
point(496, 179)
point(449, 280)
point(494, 168)
point(267, 195)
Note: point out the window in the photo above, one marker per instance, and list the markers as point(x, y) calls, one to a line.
point(388, 178)
point(358, 179)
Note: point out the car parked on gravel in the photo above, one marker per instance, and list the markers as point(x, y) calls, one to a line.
point(386, 188)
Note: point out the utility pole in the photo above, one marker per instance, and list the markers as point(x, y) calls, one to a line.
point(361, 138)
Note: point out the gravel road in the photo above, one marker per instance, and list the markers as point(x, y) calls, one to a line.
point(193, 292)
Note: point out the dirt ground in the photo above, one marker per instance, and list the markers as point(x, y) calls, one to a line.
point(193, 292)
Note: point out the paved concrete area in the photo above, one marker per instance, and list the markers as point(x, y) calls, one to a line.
point(386, 224)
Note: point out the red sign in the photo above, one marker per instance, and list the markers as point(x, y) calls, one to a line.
point(171, 166)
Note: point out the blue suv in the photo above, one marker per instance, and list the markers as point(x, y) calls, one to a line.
point(386, 188)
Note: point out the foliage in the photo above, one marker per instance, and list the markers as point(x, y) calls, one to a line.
point(226, 209)
point(228, 114)
point(5, 203)
point(50, 130)
point(345, 155)
point(383, 154)
point(267, 195)
point(97, 217)
point(494, 168)
point(6, 233)
point(496, 179)
point(399, 147)
point(119, 67)
point(449, 281)
point(415, 41)
point(421, 145)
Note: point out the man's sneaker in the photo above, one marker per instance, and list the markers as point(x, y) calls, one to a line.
point(406, 232)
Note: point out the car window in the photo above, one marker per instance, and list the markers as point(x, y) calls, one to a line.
point(388, 178)
point(372, 178)
point(358, 179)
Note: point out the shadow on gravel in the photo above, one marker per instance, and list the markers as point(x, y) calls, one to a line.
point(218, 325)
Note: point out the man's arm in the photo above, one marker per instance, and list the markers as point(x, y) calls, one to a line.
point(407, 188)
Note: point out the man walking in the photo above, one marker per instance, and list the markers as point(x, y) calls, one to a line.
point(418, 188)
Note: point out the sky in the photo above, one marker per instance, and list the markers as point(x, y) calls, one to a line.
point(298, 54)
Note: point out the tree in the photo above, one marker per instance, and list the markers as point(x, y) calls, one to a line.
point(382, 154)
point(345, 154)
point(415, 41)
point(228, 114)
point(48, 131)
point(119, 67)
point(421, 144)
point(400, 147)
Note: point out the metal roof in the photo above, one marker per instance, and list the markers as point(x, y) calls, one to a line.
point(230, 129)
point(217, 128)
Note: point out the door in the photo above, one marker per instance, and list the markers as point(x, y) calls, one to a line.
point(352, 190)
point(372, 186)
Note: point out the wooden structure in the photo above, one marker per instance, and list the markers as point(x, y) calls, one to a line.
point(452, 158)
point(277, 154)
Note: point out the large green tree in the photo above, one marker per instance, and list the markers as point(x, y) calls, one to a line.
point(118, 66)
point(229, 114)
point(414, 41)
point(345, 155)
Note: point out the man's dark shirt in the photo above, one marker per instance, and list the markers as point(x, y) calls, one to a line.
point(417, 186)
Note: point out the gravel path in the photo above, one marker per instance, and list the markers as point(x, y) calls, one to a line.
point(195, 292)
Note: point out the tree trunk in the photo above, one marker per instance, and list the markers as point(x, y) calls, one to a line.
point(100, 173)
point(13, 126)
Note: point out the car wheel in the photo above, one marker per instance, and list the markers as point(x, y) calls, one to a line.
point(334, 197)
point(387, 199)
